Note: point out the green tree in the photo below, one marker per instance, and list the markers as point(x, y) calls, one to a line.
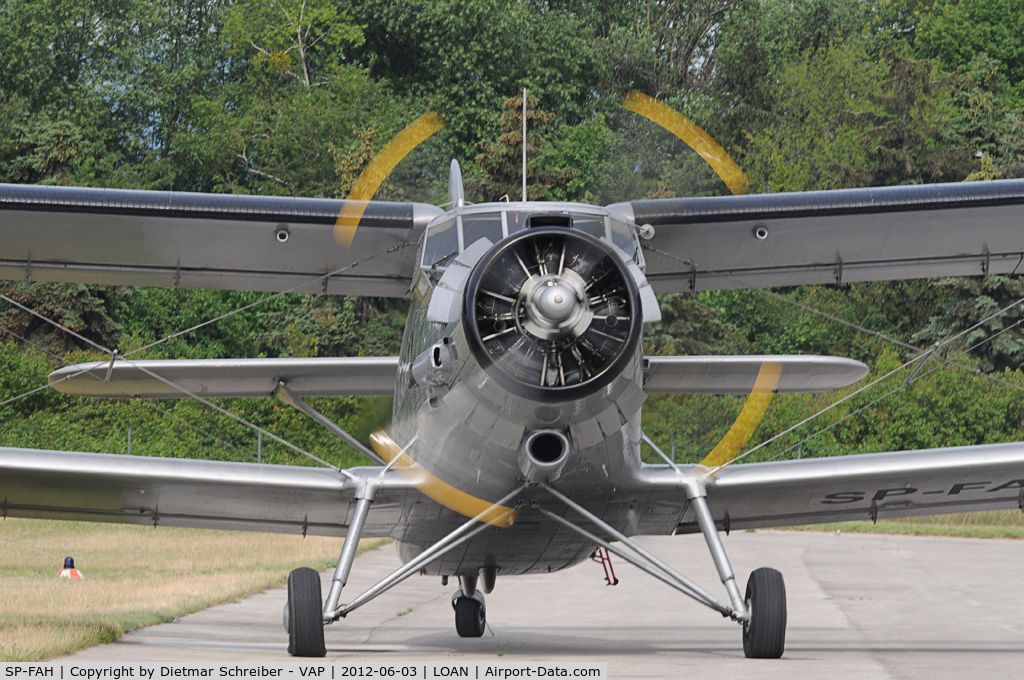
point(918, 140)
point(691, 325)
point(463, 57)
point(499, 168)
point(146, 315)
point(756, 42)
point(956, 31)
point(968, 302)
point(79, 308)
point(102, 87)
point(658, 47)
point(318, 325)
point(288, 37)
point(293, 102)
point(824, 135)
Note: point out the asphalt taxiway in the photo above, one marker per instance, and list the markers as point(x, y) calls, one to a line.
point(860, 606)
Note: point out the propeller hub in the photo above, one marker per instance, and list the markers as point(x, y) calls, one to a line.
point(555, 305)
point(556, 302)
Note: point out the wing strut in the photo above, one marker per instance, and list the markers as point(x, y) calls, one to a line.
point(650, 563)
point(282, 393)
point(462, 534)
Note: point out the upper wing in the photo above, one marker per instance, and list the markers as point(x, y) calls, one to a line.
point(857, 487)
point(764, 240)
point(737, 374)
point(229, 242)
point(305, 377)
point(194, 493)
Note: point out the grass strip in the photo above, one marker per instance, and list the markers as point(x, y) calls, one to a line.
point(990, 524)
point(134, 577)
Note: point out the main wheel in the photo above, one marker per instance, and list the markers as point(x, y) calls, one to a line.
point(764, 635)
point(470, 617)
point(304, 620)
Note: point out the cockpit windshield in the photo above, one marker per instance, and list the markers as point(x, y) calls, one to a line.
point(476, 226)
point(591, 224)
point(451, 235)
point(623, 235)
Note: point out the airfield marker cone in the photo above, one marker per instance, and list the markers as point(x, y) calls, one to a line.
point(69, 570)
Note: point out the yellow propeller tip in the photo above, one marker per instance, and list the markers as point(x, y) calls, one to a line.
point(378, 169)
point(697, 139)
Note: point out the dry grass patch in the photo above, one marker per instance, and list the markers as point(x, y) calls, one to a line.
point(134, 576)
point(990, 524)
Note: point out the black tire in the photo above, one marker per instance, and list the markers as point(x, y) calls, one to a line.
point(305, 614)
point(470, 618)
point(764, 635)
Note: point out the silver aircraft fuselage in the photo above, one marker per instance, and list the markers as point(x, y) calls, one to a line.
point(469, 432)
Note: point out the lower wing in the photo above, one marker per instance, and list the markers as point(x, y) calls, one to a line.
point(194, 493)
point(292, 499)
point(855, 487)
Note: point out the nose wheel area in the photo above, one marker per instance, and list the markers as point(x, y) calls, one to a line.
point(764, 633)
point(470, 614)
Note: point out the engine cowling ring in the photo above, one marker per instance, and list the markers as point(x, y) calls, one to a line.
point(552, 314)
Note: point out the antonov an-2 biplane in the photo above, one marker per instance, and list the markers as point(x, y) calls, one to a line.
point(516, 435)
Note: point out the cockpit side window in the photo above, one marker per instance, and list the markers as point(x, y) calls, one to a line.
point(442, 244)
point(623, 236)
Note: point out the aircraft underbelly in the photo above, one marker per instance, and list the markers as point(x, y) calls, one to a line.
point(528, 549)
point(533, 544)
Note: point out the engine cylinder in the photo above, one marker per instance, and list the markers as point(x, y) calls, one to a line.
point(552, 314)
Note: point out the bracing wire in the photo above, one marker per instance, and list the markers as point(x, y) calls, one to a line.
point(845, 322)
point(171, 384)
point(813, 416)
point(922, 353)
point(837, 319)
point(150, 404)
point(181, 389)
point(912, 379)
point(267, 299)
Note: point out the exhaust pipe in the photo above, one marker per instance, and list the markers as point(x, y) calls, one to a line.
point(544, 454)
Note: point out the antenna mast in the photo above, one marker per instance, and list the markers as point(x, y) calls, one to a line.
point(524, 145)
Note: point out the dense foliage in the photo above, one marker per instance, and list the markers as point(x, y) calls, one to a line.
point(293, 97)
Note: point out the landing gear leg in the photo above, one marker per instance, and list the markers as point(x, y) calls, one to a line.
point(303, 616)
point(364, 498)
point(470, 610)
point(465, 532)
point(763, 611)
point(714, 541)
